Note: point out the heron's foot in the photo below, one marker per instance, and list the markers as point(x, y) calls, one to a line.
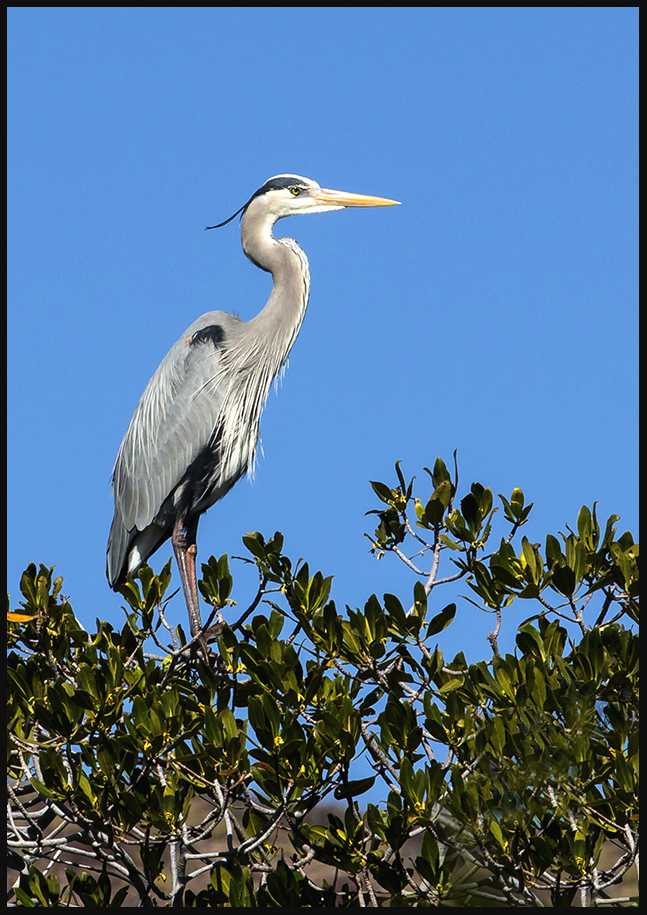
point(209, 657)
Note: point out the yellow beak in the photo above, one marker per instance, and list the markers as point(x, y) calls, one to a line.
point(344, 199)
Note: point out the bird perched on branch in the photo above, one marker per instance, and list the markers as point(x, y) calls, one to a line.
point(195, 430)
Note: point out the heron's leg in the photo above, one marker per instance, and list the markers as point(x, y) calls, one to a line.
point(184, 547)
point(191, 556)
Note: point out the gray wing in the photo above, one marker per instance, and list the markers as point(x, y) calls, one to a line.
point(171, 425)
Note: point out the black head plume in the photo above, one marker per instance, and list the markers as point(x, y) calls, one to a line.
point(241, 210)
point(261, 190)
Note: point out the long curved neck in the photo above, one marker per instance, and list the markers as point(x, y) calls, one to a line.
point(256, 350)
point(274, 330)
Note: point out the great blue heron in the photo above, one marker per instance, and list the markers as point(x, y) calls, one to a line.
point(195, 430)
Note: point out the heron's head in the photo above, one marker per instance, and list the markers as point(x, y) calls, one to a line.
point(291, 195)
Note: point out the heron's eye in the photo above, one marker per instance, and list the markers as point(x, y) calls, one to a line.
point(295, 190)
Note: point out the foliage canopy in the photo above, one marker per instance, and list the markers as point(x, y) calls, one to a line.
point(141, 775)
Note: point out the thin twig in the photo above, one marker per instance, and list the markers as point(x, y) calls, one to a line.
point(493, 636)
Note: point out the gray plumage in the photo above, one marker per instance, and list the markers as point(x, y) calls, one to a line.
point(195, 430)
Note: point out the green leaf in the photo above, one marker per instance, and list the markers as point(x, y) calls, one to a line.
point(141, 714)
point(553, 549)
point(610, 531)
point(495, 829)
point(440, 474)
point(419, 600)
point(428, 861)
point(38, 886)
point(586, 528)
point(497, 735)
point(407, 777)
point(43, 789)
point(255, 544)
point(354, 788)
point(442, 620)
point(534, 563)
point(383, 492)
point(24, 898)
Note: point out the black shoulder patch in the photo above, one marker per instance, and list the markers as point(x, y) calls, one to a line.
point(212, 333)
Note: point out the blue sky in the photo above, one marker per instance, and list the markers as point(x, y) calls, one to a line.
point(494, 312)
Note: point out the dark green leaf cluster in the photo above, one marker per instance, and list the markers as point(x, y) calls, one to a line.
point(141, 775)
